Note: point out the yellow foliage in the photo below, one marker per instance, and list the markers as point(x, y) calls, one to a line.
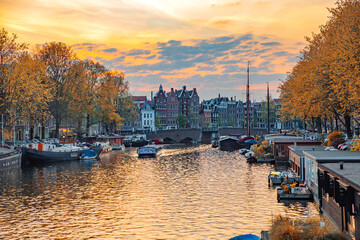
point(355, 145)
point(335, 138)
point(261, 149)
point(325, 82)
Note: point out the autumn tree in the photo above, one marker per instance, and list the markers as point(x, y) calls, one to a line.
point(59, 59)
point(9, 51)
point(28, 91)
point(324, 84)
point(111, 87)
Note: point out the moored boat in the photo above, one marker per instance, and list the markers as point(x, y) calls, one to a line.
point(277, 178)
point(149, 151)
point(295, 193)
point(229, 143)
point(51, 153)
point(135, 141)
point(9, 159)
point(88, 154)
point(243, 151)
point(250, 158)
point(214, 143)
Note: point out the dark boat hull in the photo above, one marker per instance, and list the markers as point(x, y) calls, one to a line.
point(251, 159)
point(36, 156)
point(136, 143)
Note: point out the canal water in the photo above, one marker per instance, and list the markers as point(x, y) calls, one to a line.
point(190, 192)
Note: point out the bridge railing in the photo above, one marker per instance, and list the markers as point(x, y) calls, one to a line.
point(209, 129)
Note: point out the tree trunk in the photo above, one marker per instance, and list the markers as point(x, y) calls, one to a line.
point(336, 124)
point(79, 131)
point(57, 127)
point(318, 125)
point(331, 125)
point(313, 124)
point(88, 125)
point(348, 125)
point(325, 126)
point(43, 130)
point(31, 129)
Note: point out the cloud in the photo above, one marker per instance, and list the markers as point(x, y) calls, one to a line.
point(110, 50)
point(271, 44)
point(207, 64)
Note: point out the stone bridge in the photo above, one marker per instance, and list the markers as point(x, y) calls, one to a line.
point(201, 135)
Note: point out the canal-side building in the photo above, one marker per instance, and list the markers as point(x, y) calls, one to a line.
point(312, 159)
point(172, 110)
point(339, 195)
point(160, 107)
point(147, 118)
point(194, 108)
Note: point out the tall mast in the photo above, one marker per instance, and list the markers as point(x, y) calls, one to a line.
point(248, 100)
point(268, 107)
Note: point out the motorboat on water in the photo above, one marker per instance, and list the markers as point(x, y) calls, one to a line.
point(88, 154)
point(149, 151)
point(214, 143)
point(243, 151)
point(250, 157)
point(120, 147)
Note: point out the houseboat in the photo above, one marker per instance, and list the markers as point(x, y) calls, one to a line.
point(135, 140)
point(45, 153)
point(116, 142)
point(229, 143)
point(9, 159)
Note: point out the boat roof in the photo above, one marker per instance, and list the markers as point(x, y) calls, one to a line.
point(350, 171)
point(333, 156)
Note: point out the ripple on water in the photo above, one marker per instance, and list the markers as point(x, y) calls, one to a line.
point(188, 193)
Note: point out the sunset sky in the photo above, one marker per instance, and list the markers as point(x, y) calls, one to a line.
point(203, 44)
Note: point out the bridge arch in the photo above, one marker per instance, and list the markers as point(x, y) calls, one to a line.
point(186, 140)
point(169, 140)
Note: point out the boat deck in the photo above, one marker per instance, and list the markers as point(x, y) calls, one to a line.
point(297, 193)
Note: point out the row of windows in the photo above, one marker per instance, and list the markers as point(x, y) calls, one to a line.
point(160, 106)
point(163, 114)
point(148, 115)
point(147, 122)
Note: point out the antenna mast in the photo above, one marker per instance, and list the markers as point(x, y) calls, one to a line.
point(268, 107)
point(248, 100)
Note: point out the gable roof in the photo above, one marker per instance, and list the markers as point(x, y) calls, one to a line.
point(139, 98)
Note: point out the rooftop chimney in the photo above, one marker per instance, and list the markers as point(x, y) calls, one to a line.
point(341, 165)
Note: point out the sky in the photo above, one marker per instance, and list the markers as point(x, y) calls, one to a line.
point(203, 44)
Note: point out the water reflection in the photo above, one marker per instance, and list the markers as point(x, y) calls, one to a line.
point(187, 193)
